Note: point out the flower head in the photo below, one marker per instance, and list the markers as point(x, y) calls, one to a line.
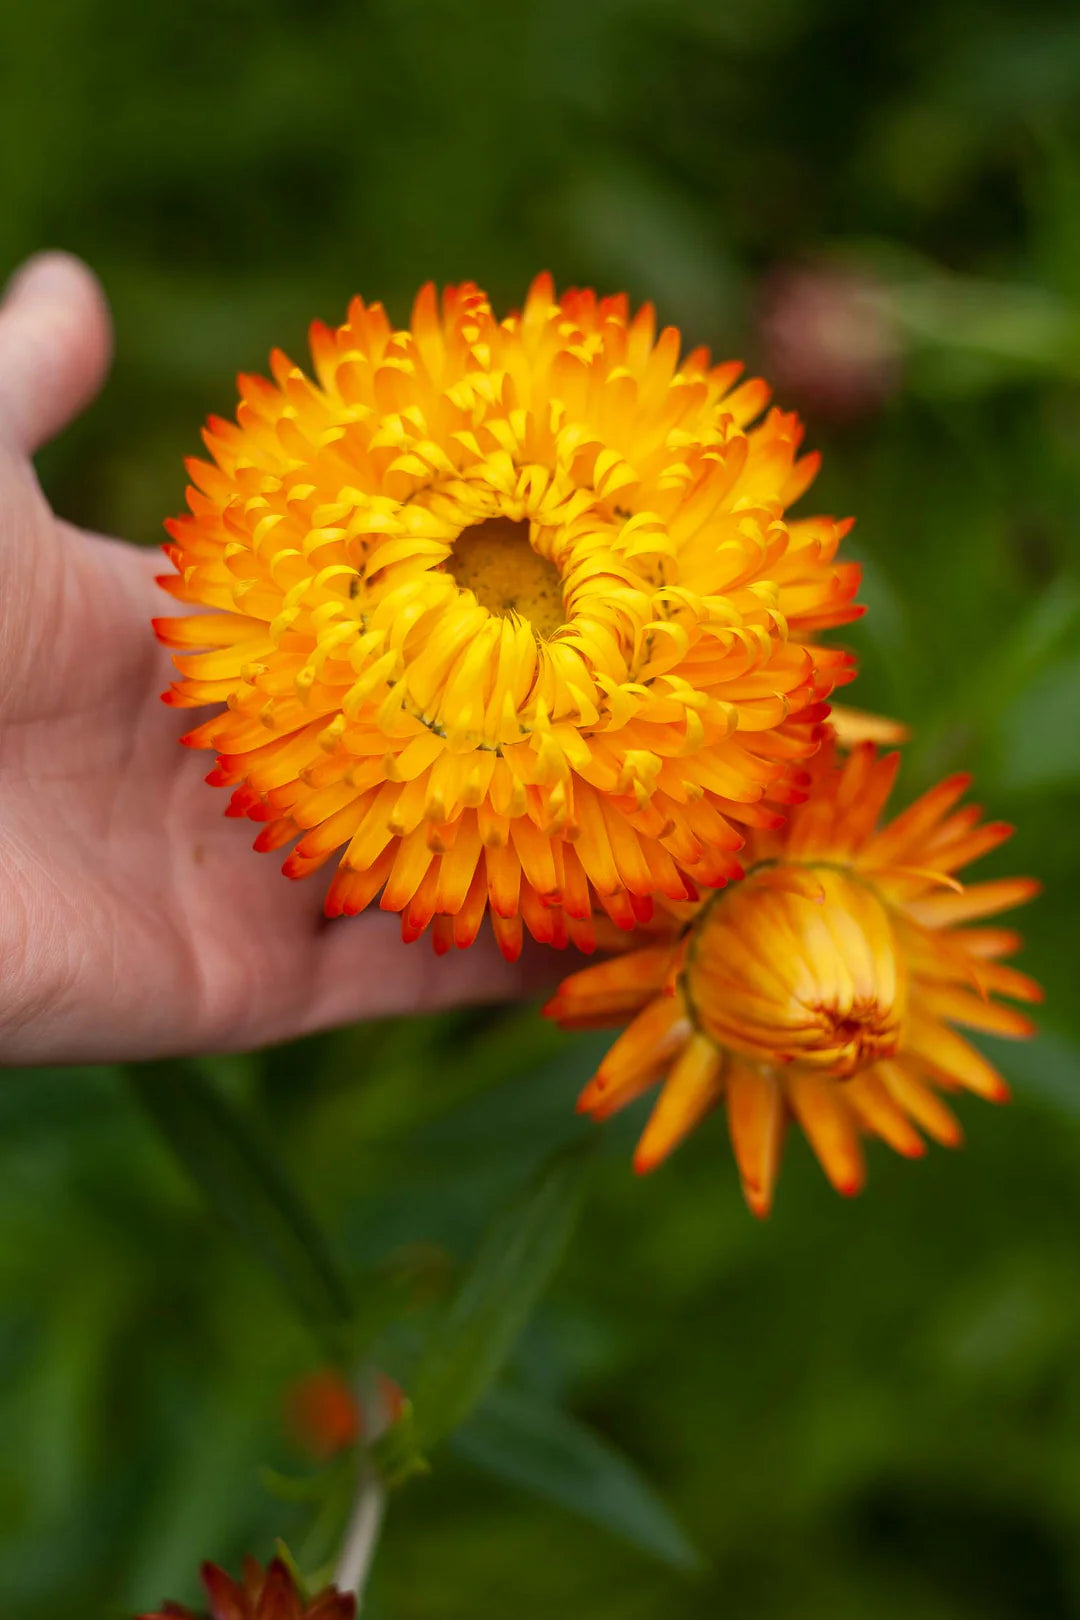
point(261, 1594)
point(823, 987)
point(508, 611)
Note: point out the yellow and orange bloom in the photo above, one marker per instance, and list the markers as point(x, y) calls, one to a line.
point(261, 1594)
point(507, 611)
point(824, 987)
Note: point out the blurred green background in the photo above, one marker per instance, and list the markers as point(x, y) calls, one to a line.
point(855, 1409)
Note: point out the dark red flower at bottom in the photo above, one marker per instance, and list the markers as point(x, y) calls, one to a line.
point(262, 1594)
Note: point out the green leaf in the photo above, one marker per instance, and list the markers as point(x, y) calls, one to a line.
point(243, 1181)
point(469, 1345)
point(559, 1458)
point(1038, 735)
point(397, 1455)
point(1047, 1068)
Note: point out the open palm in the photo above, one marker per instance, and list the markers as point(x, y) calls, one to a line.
point(134, 918)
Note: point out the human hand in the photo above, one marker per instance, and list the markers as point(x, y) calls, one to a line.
point(134, 919)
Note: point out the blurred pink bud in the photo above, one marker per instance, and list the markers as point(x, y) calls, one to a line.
point(829, 342)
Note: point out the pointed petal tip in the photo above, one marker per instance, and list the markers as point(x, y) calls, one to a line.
point(912, 1150)
point(758, 1199)
point(646, 1160)
point(591, 1096)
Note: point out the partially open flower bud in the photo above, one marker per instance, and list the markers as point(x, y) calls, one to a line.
point(823, 987)
point(261, 1594)
point(798, 964)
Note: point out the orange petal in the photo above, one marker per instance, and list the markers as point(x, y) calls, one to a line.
point(908, 831)
point(509, 935)
point(950, 1058)
point(986, 943)
point(978, 900)
point(692, 1089)
point(638, 1058)
point(830, 1127)
point(923, 1105)
point(208, 630)
point(854, 726)
point(877, 1111)
point(350, 892)
point(949, 1001)
point(1008, 981)
point(609, 991)
point(757, 1116)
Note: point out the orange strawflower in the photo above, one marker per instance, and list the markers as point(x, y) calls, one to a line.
point(823, 987)
point(269, 1594)
point(508, 611)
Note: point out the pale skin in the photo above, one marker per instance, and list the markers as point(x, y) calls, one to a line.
point(135, 920)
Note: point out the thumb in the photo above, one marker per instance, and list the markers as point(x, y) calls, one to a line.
point(55, 345)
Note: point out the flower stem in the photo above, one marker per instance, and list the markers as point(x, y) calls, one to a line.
point(365, 1523)
point(362, 1536)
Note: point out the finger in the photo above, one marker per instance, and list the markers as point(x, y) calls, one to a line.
point(55, 346)
point(411, 978)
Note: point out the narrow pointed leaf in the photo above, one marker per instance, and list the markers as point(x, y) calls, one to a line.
point(470, 1344)
point(554, 1455)
point(242, 1180)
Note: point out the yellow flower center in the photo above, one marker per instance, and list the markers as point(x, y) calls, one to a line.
point(800, 964)
point(851, 1040)
point(496, 562)
point(500, 616)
